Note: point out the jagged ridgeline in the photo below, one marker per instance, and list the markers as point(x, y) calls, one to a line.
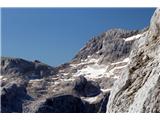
point(117, 71)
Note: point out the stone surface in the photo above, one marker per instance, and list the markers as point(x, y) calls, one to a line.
point(138, 88)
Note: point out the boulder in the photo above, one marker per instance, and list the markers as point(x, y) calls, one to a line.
point(86, 88)
point(80, 83)
point(91, 89)
point(11, 98)
point(61, 104)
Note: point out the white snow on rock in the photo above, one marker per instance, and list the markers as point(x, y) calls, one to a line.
point(91, 99)
point(123, 61)
point(35, 80)
point(71, 79)
point(1, 77)
point(95, 71)
point(89, 60)
point(56, 83)
point(133, 37)
point(105, 90)
point(92, 71)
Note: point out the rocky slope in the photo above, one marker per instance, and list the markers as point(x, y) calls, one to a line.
point(84, 83)
point(138, 89)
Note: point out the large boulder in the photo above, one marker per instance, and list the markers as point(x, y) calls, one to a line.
point(12, 96)
point(80, 83)
point(61, 104)
point(86, 88)
point(68, 103)
point(92, 89)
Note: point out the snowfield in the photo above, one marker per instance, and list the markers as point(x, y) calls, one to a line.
point(91, 99)
point(93, 70)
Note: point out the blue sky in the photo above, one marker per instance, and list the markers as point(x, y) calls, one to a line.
point(55, 35)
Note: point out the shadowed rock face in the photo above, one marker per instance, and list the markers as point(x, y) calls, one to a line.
point(138, 88)
point(69, 103)
point(62, 104)
point(86, 88)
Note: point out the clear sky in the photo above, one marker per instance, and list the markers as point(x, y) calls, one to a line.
point(55, 35)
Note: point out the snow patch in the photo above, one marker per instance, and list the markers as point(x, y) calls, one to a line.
point(56, 83)
point(1, 76)
point(98, 71)
point(70, 79)
point(123, 61)
point(35, 80)
point(89, 60)
point(105, 90)
point(92, 71)
point(91, 99)
point(133, 37)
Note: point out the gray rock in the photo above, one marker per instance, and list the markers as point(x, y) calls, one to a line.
point(110, 45)
point(138, 89)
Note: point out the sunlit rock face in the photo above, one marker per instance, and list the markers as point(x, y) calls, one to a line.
point(138, 89)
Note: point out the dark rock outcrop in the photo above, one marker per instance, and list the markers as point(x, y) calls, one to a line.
point(80, 83)
point(69, 103)
point(12, 97)
point(62, 104)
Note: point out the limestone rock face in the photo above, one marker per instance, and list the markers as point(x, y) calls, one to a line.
point(138, 89)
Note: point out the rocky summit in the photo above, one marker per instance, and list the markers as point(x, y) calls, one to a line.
point(117, 71)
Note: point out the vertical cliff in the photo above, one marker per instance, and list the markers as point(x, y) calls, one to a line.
point(138, 89)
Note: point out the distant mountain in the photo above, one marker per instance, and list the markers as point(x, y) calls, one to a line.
point(24, 68)
point(117, 71)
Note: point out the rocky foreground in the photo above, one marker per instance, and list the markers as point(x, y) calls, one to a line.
point(117, 71)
